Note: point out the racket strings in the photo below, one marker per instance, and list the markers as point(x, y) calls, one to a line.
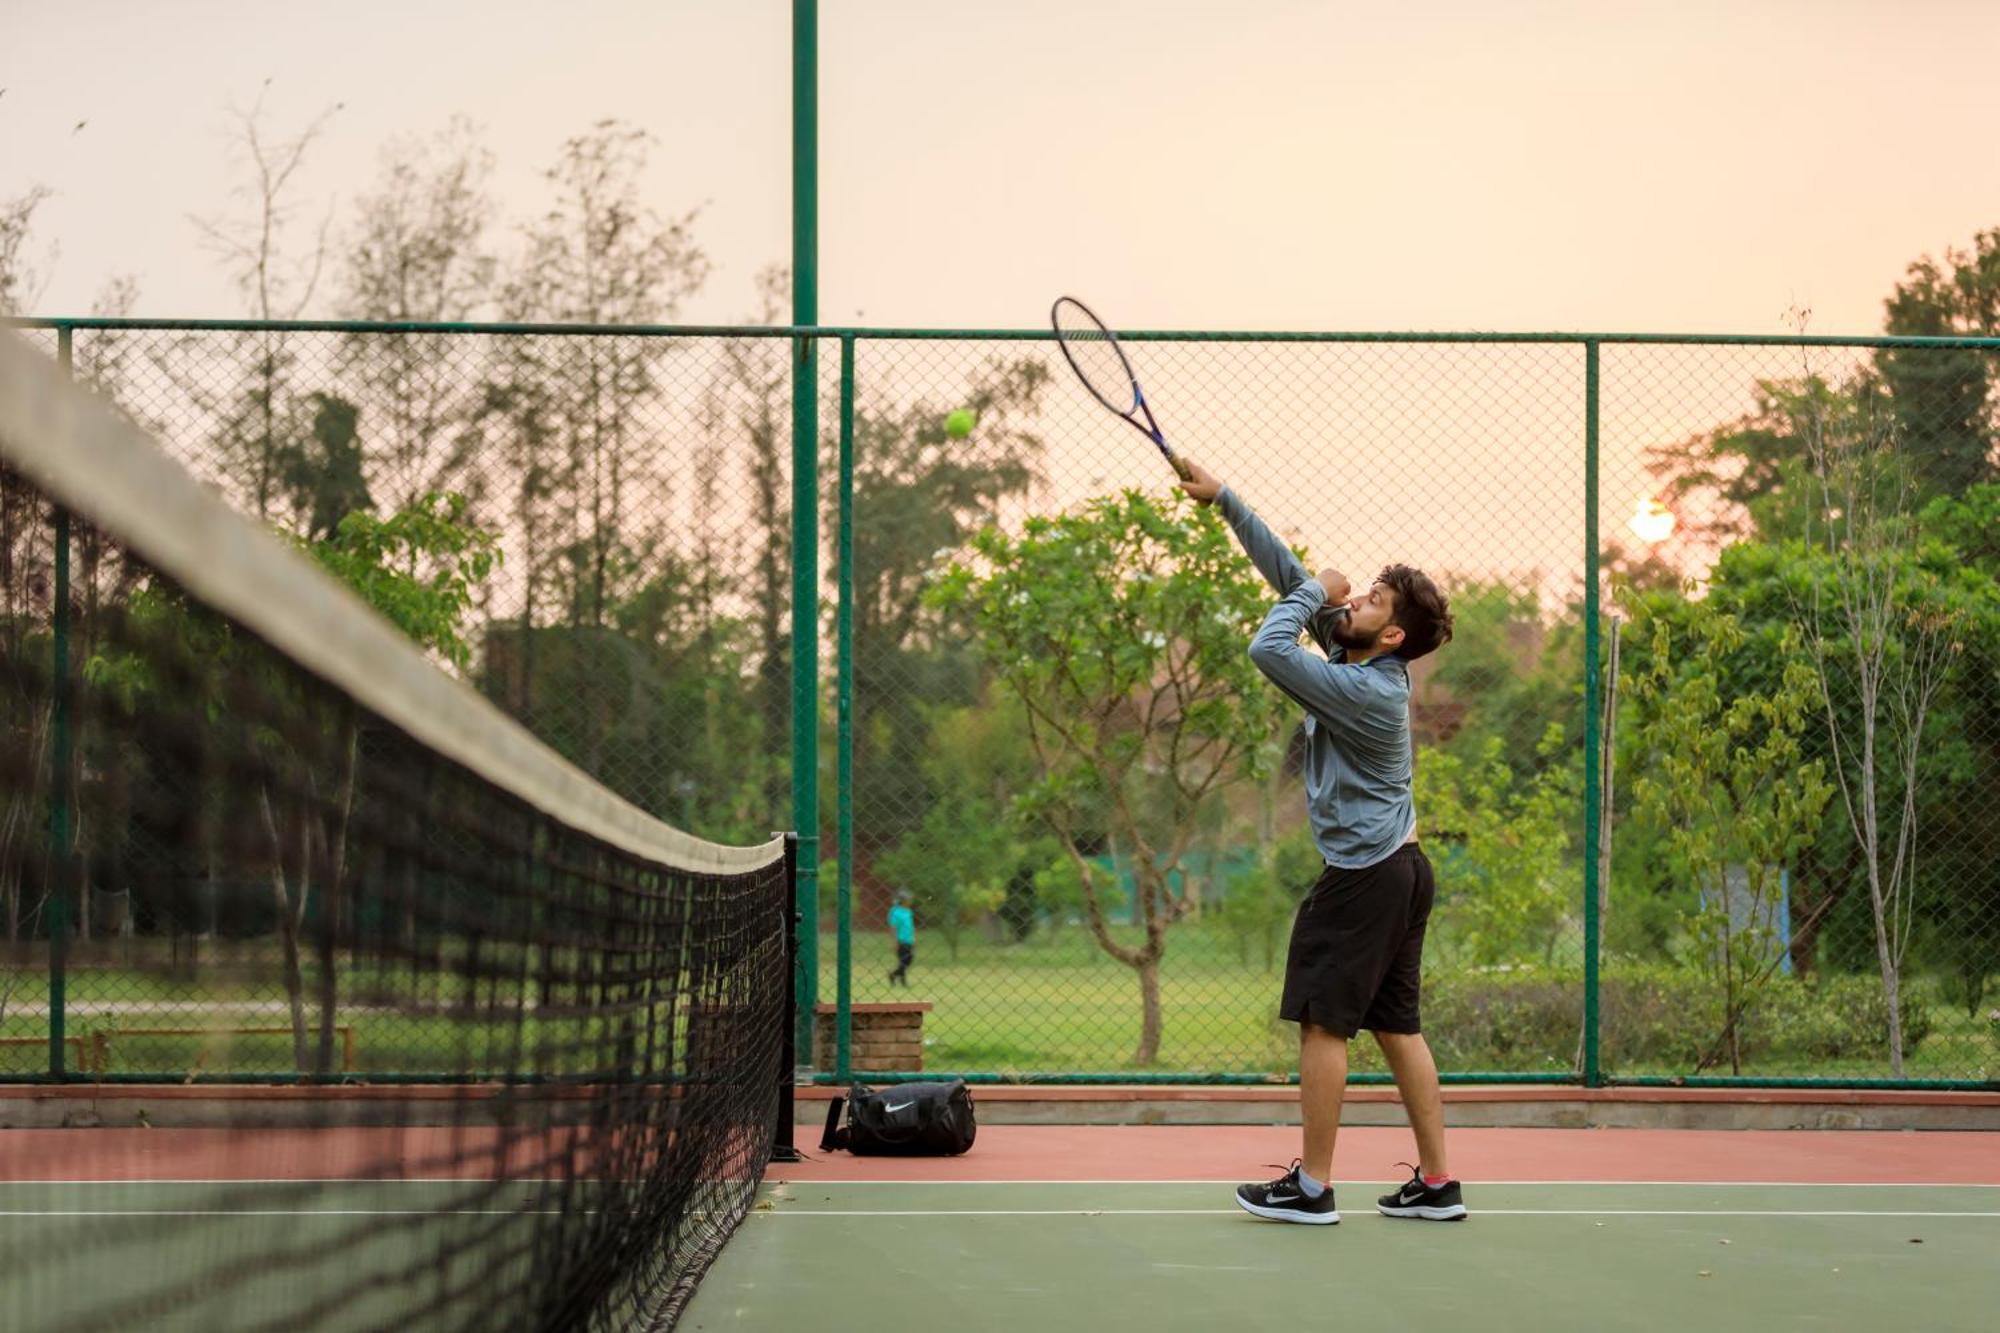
point(1095, 355)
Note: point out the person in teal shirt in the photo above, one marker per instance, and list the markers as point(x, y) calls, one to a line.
point(904, 923)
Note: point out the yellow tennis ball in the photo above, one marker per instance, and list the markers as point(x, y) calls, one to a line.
point(960, 423)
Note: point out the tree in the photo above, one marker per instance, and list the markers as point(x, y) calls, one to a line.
point(418, 253)
point(1939, 402)
point(258, 416)
point(303, 744)
point(597, 256)
point(748, 406)
point(1725, 782)
point(22, 277)
point(1748, 479)
point(1260, 901)
point(1882, 630)
point(1513, 668)
point(1518, 879)
point(1943, 397)
point(919, 496)
point(972, 852)
point(1121, 628)
point(1966, 832)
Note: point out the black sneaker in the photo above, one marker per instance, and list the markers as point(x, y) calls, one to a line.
point(1432, 1203)
point(1284, 1200)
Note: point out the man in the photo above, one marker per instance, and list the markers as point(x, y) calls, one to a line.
point(1357, 943)
point(903, 924)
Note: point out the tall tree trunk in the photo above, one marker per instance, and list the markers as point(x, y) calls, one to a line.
point(1149, 1023)
point(288, 931)
point(1885, 953)
point(332, 907)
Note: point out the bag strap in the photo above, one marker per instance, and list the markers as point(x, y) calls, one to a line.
point(834, 1136)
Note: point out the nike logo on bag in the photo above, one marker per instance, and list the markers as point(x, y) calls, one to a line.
point(899, 1106)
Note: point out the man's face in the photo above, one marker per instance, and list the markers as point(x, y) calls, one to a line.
point(1368, 618)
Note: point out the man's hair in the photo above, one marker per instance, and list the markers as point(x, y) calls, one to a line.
point(1421, 611)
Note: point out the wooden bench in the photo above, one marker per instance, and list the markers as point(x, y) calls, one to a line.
point(883, 1036)
point(90, 1052)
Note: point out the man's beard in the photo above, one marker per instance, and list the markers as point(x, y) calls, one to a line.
point(1345, 636)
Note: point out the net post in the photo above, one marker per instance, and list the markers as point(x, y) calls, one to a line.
point(60, 744)
point(843, 1020)
point(1593, 778)
point(784, 1136)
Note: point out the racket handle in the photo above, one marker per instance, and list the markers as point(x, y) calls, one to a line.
point(1181, 468)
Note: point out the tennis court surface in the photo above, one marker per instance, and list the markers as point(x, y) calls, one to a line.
point(1051, 1227)
point(1058, 1228)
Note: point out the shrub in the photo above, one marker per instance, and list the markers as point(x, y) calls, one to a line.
point(1656, 1016)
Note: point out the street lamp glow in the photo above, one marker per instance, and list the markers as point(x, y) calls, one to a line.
point(1652, 521)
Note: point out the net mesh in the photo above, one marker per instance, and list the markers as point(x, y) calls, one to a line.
point(323, 851)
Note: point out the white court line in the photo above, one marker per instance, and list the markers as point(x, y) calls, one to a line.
point(294, 1212)
point(793, 1182)
point(313, 1180)
point(1477, 1183)
point(1223, 1212)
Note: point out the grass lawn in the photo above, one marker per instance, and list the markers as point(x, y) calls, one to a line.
point(1054, 1003)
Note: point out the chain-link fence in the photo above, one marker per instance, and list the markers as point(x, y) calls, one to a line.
point(1761, 847)
point(593, 530)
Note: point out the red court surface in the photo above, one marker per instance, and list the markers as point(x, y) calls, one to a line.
point(1051, 1152)
point(1233, 1152)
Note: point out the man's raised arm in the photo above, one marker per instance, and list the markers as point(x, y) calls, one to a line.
point(1274, 560)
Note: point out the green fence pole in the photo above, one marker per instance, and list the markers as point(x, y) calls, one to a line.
point(1593, 1074)
point(844, 654)
point(60, 750)
point(805, 504)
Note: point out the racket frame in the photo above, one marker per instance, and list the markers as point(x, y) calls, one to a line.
point(1150, 428)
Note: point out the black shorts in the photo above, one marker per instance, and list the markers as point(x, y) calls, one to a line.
point(905, 954)
point(1356, 959)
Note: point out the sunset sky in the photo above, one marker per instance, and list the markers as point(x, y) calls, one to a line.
point(1687, 166)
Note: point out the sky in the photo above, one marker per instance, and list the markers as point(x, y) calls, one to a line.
point(1232, 164)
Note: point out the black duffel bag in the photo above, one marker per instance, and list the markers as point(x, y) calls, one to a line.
point(903, 1120)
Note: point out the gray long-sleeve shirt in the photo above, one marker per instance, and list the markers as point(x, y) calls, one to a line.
point(1358, 759)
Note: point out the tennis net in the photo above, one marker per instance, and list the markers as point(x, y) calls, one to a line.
point(572, 1019)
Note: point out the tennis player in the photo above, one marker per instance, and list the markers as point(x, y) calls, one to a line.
point(1356, 954)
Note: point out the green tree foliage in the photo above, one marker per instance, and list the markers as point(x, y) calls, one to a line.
point(1965, 865)
point(1513, 879)
point(918, 495)
point(1515, 671)
point(973, 853)
point(1261, 901)
point(1723, 779)
point(1944, 397)
point(421, 567)
point(1121, 628)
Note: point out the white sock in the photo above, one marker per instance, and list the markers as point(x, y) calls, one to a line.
point(1311, 1188)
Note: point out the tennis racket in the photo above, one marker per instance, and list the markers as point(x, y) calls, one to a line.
point(1092, 350)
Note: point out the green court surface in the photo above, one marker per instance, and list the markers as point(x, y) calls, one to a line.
point(243, 1254)
point(1060, 1256)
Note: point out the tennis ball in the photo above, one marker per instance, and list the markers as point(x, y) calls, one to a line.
point(959, 424)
